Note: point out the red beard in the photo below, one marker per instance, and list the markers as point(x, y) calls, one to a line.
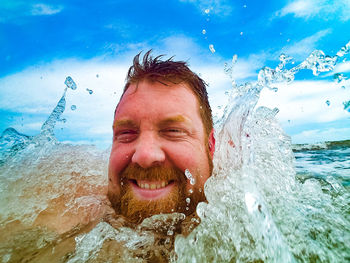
point(134, 209)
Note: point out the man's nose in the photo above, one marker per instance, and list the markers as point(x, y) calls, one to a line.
point(148, 152)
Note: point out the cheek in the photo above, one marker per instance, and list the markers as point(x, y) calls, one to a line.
point(118, 160)
point(181, 156)
point(195, 159)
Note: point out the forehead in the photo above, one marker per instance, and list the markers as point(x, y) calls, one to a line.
point(153, 99)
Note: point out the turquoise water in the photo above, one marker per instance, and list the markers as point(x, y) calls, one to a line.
point(323, 160)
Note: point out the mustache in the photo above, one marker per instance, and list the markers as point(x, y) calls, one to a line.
point(156, 173)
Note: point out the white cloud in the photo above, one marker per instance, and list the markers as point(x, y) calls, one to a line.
point(304, 102)
point(318, 135)
point(342, 67)
point(324, 9)
point(300, 8)
point(18, 12)
point(246, 68)
point(303, 48)
point(216, 7)
point(43, 9)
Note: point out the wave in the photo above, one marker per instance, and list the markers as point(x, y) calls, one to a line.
point(327, 145)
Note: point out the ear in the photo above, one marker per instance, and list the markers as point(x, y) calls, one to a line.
point(211, 142)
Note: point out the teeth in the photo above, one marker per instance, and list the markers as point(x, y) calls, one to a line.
point(152, 186)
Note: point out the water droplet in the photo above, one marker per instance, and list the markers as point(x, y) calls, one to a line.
point(204, 31)
point(207, 11)
point(90, 91)
point(194, 220)
point(234, 59)
point(190, 191)
point(170, 232)
point(275, 89)
point(167, 243)
point(288, 40)
point(97, 75)
point(245, 6)
point(190, 177)
point(188, 200)
point(241, 33)
point(346, 105)
point(328, 102)
point(338, 77)
point(70, 83)
point(211, 47)
point(187, 208)
point(73, 107)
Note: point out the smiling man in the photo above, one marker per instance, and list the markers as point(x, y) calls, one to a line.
point(163, 141)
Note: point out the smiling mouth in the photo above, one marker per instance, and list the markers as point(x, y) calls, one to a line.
point(147, 190)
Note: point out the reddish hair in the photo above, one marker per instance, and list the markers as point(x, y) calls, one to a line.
point(155, 69)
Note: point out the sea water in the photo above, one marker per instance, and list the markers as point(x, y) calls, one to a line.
point(268, 200)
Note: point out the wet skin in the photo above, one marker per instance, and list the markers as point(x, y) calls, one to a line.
point(158, 125)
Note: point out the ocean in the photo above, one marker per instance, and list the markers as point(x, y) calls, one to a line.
point(323, 160)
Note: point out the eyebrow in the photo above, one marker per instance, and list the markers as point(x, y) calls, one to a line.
point(118, 123)
point(174, 119)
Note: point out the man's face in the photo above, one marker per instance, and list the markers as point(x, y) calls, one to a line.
point(158, 135)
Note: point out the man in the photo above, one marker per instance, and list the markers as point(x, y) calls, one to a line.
point(163, 141)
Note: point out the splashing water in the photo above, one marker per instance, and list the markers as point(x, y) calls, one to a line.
point(190, 177)
point(346, 105)
point(53, 205)
point(70, 83)
point(256, 210)
point(90, 91)
point(212, 49)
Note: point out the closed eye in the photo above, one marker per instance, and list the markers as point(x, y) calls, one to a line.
point(125, 136)
point(173, 133)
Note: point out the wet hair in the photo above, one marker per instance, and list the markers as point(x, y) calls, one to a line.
point(176, 72)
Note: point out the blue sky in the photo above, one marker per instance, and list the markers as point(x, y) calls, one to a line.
point(43, 42)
